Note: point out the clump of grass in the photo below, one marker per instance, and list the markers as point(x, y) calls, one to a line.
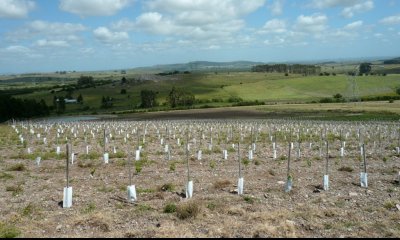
point(172, 167)
point(389, 205)
point(188, 210)
point(91, 156)
point(89, 208)
point(168, 187)
point(257, 162)
point(212, 164)
point(144, 190)
point(16, 189)
point(248, 199)
point(83, 164)
point(8, 231)
point(29, 210)
point(222, 184)
point(245, 162)
point(271, 172)
point(346, 169)
point(19, 167)
point(6, 176)
point(212, 206)
point(138, 166)
point(143, 208)
point(170, 208)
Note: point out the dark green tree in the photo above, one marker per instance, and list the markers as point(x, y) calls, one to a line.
point(365, 68)
point(148, 98)
point(80, 99)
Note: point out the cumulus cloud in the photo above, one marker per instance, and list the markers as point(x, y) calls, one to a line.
point(315, 23)
point(349, 12)
point(51, 43)
point(85, 8)
point(192, 20)
point(353, 25)
point(333, 3)
point(276, 7)
point(391, 20)
point(18, 51)
point(274, 26)
point(15, 8)
point(106, 36)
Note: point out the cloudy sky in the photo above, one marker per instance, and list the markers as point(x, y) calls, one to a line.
point(52, 35)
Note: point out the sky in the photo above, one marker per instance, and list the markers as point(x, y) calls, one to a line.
point(88, 35)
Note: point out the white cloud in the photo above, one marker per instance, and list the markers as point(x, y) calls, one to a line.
point(106, 36)
point(93, 7)
point(276, 7)
point(51, 43)
point(15, 8)
point(378, 35)
point(200, 20)
point(391, 20)
point(274, 26)
point(56, 28)
point(353, 25)
point(333, 3)
point(18, 51)
point(49, 30)
point(349, 12)
point(315, 23)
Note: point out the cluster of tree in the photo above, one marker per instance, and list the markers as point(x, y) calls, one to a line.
point(336, 98)
point(365, 68)
point(59, 104)
point(148, 99)
point(172, 73)
point(286, 68)
point(85, 82)
point(106, 102)
point(179, 97)
point(326, 74)
point(392, 61)
point(21, 108)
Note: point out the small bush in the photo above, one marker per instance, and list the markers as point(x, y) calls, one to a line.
point(6, 176)
point(20, 167)
point(389, 205)
point(169, 187)
point(7, 231)
point(346, 169)
point(89, 208)
point(188, 210)
point(172, 167)
point(222, 184)
point(170, 208)
point(248, 199)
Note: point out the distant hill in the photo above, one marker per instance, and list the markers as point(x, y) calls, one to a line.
point(203, 66)
point(392, 61)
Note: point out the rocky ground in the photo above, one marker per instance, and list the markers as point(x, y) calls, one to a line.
point(31, 195)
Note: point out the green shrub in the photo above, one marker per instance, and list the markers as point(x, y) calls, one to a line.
point(170, 208)
point(7, 231)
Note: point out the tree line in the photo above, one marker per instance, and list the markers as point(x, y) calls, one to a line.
point(287, 68)
point(11, 107)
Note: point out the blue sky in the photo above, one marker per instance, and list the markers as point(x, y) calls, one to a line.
point(85, 35)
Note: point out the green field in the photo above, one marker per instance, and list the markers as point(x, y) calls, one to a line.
point(216, 88)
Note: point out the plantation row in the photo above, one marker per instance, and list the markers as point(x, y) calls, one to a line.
point(209, 143)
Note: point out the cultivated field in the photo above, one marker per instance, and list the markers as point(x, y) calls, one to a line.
point(31, 189)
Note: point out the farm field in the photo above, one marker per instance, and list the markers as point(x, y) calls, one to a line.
point(302, 151)
point(215, 90)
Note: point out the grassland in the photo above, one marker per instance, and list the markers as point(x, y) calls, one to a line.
point(215, 89)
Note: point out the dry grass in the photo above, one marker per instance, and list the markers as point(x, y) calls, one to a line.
point(220, 184)
point(188, 210)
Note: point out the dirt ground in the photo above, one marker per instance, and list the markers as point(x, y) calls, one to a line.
point(31, 195)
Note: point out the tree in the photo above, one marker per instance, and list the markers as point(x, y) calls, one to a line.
point(398, 90)
point(179, 97)
point(123, 91)
point(106, 102)
point(80, 99)
point(85, 82)
point(123, 81)
point(148, 98)
point(365, 68)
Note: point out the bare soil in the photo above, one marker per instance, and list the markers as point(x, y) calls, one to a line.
point(31, 198)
